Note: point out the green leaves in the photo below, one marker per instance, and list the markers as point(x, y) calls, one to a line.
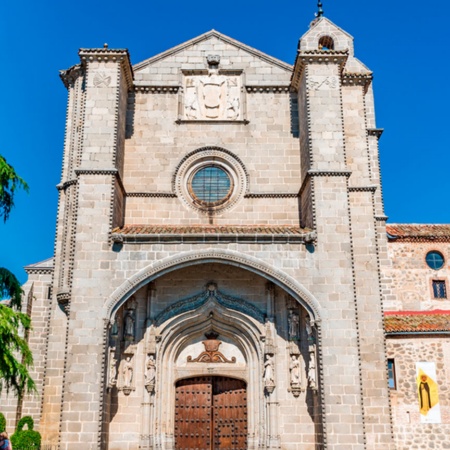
point(9, 183)
point(14, 325)
point(10, 288)
point(14, 374)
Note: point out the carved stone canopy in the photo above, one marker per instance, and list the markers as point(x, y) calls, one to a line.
point(211, 353)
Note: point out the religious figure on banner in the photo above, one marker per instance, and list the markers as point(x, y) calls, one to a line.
point(428, 393)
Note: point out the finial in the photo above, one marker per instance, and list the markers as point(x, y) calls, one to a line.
point(319, 12)
point(105, 45)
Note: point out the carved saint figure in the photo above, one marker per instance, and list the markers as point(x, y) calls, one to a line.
point(293, 321)
point(127, 372)
point(294, 367)
point(113, 371)
point(309, 330)
point(312, 368)
point(129, 324)
point(150, 372)
point(269, 378)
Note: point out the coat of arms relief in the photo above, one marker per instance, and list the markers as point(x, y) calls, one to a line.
point(212, 96)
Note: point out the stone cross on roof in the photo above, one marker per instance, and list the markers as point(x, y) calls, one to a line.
point(319, 12)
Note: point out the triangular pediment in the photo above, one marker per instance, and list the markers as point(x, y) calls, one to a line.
point(192, 55)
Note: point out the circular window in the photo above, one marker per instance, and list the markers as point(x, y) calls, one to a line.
point(210, 180)
point(210, 185)
point(435, 260)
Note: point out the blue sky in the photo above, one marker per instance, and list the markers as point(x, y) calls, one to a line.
point(402, 42)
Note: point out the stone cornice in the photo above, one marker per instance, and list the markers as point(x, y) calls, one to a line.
point(119, 55)
point(267, 89)
point(65, 184)
point(96, 172)
point(70, 75)
point(152, 194)
point(377, 132)
point(362, 189)
point(219, 122)
point(357, 79)
point(255, 238)
point(39, 270)
point(271, 195)
point(338, 57)
point(163, 89)
point(329, 173)
point(381, 218)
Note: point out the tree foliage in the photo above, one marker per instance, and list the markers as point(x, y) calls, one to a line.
point(15, 355)
point(9, 183)
point(26, 439)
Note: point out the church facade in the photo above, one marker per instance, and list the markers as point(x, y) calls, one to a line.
point(222, 272)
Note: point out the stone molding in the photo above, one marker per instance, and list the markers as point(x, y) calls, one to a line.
point(217, 122)
point(163, 89)
point(152, 194)
point(39, 270)
point(267, 89)
point(328, 173)
point(65, 184)
point(219, 157)
point(96, 171)
point(381, 218)
point(255, 238)
point(120, 56)
point(197, 301)
point(377, 132)
point(70, 75)
point(304, 58)
point(271, 195)
point(362, 189)
point(357, 79)
point(224, 256)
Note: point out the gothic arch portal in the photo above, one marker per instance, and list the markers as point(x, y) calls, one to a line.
point(230, 257)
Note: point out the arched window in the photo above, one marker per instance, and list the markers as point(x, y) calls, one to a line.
point(326, 43)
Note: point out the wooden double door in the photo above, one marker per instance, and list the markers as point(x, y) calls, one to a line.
point(210, 414)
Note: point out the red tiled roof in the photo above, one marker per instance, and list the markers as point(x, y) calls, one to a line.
point(416, 321)
point(417, 232)
point(209, 233)
point(210, 229)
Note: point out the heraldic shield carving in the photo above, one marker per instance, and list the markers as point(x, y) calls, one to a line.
point(211, 353)
point(214, 96)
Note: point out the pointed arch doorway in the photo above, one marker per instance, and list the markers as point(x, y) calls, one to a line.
point(210, 413)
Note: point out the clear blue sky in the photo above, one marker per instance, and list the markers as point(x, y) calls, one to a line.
point(404, 43)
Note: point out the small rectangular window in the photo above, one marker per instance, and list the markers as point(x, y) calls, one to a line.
point(391, 374)
point(439, 289)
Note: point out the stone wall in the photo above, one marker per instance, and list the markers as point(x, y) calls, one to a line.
point(410, 433)
point(408, 281)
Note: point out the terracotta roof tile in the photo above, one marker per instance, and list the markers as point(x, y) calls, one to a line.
point(210, 229)
point(418, 232)
point(416, 321)
point(166, 233)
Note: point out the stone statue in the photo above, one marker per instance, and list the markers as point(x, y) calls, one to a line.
point(294, 368)
point(269, 378)
point(293, 321)
point(312, 367)
point(129, 324)
point(150, 370)
point(113, 371)
point(127, 372)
